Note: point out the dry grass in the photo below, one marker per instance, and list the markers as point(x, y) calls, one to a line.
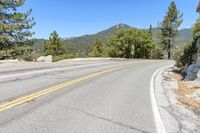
point(186, 95)
point(190, 102)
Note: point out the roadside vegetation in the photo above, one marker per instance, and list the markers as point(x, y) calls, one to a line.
point(98, 49)
point(185, 53)
point(15, 31)
point(132, 43)
point(55, 47)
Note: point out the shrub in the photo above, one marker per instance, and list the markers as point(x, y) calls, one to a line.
point(157, 52)
point(61, 57)
point(29, 56)
point(184, 54)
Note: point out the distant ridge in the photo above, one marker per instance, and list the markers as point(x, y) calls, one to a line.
point(81, 45)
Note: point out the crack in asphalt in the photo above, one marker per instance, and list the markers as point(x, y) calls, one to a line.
point(103, 118)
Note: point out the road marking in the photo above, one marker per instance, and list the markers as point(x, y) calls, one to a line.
point(33, 96)
point(49, 70)
point(158, 120)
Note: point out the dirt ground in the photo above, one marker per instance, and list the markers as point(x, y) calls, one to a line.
point(188, 93)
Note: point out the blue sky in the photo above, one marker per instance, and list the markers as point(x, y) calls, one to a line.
point(78, 17)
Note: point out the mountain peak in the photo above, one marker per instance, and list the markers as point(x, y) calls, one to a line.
point(120, 25)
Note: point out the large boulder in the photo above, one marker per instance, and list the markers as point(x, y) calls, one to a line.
point(47, 59)
point(192, 71)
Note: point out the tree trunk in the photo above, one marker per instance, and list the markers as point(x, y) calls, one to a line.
point(169, 55)
point(169, 50)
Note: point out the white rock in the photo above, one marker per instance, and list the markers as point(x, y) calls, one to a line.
point(47, 59)
point(9, 61)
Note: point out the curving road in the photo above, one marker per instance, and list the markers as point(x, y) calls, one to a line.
point(103, 96)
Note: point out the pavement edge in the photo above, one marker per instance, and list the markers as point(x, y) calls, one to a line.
point(160, 128)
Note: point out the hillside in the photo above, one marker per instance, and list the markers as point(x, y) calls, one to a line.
point(81, 45)
point(184, 35)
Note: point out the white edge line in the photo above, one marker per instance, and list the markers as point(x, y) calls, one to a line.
point(157, 117)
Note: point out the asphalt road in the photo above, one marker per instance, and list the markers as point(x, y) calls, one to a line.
point(104, 96)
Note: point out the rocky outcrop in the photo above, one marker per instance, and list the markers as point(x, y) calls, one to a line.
point(47, 59)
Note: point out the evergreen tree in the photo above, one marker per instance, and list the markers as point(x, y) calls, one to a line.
point(120, 45)
point(97, 48)
point(131, 43)
point(191, 52)
point(169, 27)
point(151, 30)
point(54, 46)
point(14, 26)
point(196, 31)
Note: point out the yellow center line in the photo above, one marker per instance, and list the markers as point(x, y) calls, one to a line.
point(33, 96)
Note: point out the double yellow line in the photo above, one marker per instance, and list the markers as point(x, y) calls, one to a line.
point(33, 96)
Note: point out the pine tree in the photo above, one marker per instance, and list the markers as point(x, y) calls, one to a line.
point(14, 26)
point(54, 46)
point(169, 27)
point(97, 48)
point(151, 30)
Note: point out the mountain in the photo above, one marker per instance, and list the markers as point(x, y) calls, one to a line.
point(38, 45)
point(80, 46)
point(184, 35)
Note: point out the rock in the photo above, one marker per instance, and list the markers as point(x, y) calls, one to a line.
point(9, 61)
point(198, 60)
point(47, 59)
point(198, 47)
point(191, 73)
point(198, 74)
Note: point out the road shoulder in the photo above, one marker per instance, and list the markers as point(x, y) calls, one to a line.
point(175, 115)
